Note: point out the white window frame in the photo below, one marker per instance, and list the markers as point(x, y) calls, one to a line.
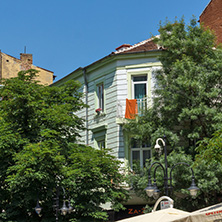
point(100, 96)
point(139, 82)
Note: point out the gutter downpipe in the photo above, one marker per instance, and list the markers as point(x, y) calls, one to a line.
point(86, 101)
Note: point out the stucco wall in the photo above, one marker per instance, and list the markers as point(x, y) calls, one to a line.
point(10, 66)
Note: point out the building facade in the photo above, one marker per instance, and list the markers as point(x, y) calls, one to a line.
point(114, 87)
point(10, 66)
point(211, 17)
point(119, 86)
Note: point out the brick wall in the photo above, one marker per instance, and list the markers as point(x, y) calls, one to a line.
point(212, 18)
point(26, 61)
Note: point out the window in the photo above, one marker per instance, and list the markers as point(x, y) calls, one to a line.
point(140, 153)
point(100, 96)
point(139, 92)
point(101, 144)
point(100, 136)
point(139, 87)
point(100, 140)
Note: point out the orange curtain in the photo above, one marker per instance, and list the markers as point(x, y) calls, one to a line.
point(131, 108)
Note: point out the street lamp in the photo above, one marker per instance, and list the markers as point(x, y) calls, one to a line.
point(38, 209)
point(152, 189)
point(64, 210)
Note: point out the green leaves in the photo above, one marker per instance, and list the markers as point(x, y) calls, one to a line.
point(207, 177)
point(39, 130)
point(190, 81)
point(187, 108)
point(210, 149)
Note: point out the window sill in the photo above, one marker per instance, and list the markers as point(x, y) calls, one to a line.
point(100, 114)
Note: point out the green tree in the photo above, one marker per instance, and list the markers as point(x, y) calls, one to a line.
point(39, 131)
point(208, 177)
point(210, 149)
point(187, 104)
point(187, 96)
point(188, 92)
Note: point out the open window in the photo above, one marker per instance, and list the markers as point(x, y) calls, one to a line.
point(101, 144)
point(100, 140)
point(99, 136)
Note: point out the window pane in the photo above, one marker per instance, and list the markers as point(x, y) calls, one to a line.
point(139, 78)
point(136, 159)
point(139, 90)
point(100, 94)
point(136, 155)
point(146, 156)
point(135, 143)
point(101, 144)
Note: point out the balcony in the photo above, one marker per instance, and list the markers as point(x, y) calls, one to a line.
point(142, 106)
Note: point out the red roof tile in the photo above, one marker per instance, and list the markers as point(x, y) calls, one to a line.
point(144, 46)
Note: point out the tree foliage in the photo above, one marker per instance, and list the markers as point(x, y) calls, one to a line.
point(207, 176)
point(210, 149)
point(39, 131)
point(188, 93)
point(187, 104)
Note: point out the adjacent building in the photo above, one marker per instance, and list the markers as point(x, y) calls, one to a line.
point(211, 17)
point(10, 66)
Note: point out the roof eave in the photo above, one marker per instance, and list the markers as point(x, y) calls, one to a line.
point(111, 55)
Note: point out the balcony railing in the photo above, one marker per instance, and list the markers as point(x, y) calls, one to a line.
point(142, 105)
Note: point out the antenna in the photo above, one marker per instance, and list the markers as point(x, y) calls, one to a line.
point(25, 49)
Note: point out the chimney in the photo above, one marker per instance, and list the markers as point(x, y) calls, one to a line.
point(26, 58)
point(122, 47)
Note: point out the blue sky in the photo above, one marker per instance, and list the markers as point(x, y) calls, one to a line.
point(63, 35)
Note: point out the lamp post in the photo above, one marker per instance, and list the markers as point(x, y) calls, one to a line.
point(152, 189)
point(64, 210)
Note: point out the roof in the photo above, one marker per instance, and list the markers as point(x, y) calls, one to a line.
point(147, 45)
point(144, 46)
point(206, 8)
point(19, 60)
